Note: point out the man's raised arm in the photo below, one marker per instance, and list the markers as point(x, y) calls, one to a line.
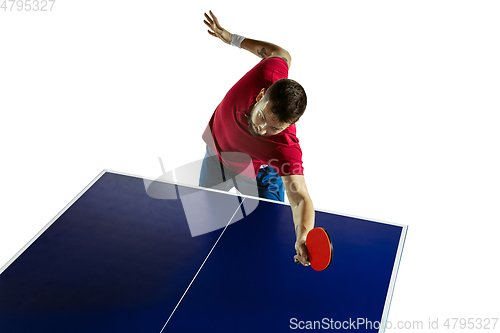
point(257, 47)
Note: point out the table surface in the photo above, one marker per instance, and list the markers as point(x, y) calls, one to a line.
point(134, 255)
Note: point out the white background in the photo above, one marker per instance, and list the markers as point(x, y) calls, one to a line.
point(401, 126)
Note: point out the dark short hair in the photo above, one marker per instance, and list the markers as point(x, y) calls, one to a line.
point(288, 100)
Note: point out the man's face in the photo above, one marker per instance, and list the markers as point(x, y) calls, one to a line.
point(262, 122)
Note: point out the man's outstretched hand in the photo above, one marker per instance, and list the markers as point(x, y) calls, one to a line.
point(215, 29)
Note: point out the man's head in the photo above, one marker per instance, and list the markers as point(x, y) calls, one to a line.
point(277, 108)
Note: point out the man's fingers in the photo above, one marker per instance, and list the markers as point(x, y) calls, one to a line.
point(210, 26)
point(300, 260)
point(212, 14)
point(211, 33)
point(304, 258)
point(209, 19)
point(215, 20)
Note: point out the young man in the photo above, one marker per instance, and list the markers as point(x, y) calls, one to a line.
point(257, 118)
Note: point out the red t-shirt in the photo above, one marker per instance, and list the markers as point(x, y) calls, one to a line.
point(228, 131)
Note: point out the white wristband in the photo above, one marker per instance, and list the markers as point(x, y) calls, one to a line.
point(236, 40)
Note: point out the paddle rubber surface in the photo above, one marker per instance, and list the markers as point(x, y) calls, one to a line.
point(319, 246)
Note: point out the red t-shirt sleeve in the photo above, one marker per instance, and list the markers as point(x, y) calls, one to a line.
point(277, 67)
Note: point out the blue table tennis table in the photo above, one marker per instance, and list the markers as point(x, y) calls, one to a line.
point(136, 255)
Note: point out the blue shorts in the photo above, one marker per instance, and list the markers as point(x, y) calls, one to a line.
point(268, 183)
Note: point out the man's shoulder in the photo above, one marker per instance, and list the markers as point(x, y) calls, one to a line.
point(273, 69)
point(275, 63)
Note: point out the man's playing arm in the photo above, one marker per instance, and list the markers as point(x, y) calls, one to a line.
point(259, 48)
point(302, 210)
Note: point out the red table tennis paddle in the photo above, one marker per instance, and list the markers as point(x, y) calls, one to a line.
point(320, 249)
